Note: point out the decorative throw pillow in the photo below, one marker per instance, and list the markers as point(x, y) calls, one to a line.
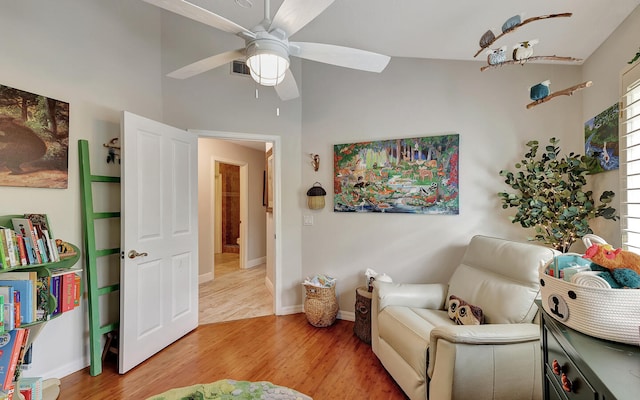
point(464, 313)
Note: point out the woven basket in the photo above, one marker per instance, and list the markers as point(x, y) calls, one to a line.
point(320, 305)
point(611, 314)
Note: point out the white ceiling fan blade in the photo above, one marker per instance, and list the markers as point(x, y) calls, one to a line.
point(295, 14)
point(200, 14)
point(287, 89)
point(206, 64)
point(341, 56)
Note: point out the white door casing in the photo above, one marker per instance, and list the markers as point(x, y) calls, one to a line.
point(276, 279)
point(159, 217)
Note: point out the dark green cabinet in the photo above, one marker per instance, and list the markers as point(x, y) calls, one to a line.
point(576, 366)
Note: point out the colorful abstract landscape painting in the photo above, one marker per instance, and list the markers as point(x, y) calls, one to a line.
point(601, 141)
point(413, 175)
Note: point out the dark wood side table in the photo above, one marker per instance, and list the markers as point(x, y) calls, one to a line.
point(578, 366)
point(362, 326)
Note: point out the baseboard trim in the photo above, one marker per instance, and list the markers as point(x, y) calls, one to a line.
point(291, 310)
point(269, 285)
point(205, 277)
point(256, 261)
point(64, 370)
point(346, 315)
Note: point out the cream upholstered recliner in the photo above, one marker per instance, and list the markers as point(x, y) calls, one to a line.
point(425, 351)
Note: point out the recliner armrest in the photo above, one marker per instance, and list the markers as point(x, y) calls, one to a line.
point(488, 334)
point(508, 356)
point(428, 295)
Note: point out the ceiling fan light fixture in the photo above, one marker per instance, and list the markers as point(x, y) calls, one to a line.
point(268, 61)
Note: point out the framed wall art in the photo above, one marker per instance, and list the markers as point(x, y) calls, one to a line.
point(413, 175)
point(34, 140)
point(601, 141)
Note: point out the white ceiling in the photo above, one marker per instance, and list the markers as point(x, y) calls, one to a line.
point(447, 29)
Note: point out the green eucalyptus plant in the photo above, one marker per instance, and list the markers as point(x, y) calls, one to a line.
point(550, 198)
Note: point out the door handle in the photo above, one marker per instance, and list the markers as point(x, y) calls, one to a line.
point(133, 254)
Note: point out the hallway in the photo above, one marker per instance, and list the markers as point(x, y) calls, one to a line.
point(234, 293)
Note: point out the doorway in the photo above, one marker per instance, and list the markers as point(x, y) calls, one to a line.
point(233, 182)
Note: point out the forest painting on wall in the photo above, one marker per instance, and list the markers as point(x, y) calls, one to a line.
point(413, 175)
point(34, 140)
point(601, 141)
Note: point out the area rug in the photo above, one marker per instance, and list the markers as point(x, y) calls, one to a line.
point(228, 389)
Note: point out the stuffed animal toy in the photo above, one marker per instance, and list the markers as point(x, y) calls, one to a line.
point(610, 258)
point(464, 313)
point(623, 265)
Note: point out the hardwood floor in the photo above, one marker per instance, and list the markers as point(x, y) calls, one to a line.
point(324, 363)
point(234, 293)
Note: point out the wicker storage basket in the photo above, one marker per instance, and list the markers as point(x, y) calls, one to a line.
point(612, 314)
point(320, 305)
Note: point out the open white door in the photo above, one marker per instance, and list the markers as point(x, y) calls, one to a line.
point(159, 218)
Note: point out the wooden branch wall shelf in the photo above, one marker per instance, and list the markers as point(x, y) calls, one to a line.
point(534, 58)
point(565, 92)
point(526, 21)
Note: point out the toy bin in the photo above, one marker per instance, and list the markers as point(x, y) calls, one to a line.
point(589, 307)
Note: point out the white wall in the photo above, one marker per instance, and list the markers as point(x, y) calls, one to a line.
point(604, 68)
point(102, 57)
point(209, 151)
point(422, 98)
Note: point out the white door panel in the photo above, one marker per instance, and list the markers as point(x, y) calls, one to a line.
point(159, 288)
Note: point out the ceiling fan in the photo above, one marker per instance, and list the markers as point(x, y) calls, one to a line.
point(267, 46)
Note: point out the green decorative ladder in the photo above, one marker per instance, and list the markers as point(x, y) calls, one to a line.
point(89, 216)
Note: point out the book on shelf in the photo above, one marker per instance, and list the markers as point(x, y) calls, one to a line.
point(26, 362)
point(22, 249)
point(4, 255)
point(17, 316)
point(25, 275)
point(54, 288)
point(8, 307)
point(8, 394)
point(43, 301)
point(64, 286)
point(25, 287)
point(67, 292)
point(10, 345)
point(22, 351)
point(6, 236)
point(35, 243)
point(43, 231)
point(31, 388)
point(24, 228)
point(77, 290)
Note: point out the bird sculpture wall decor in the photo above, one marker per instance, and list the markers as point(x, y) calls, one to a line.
point(539, 91)
point(497, 56)
point(487, 38)
point(524, 50)
point(512, 23)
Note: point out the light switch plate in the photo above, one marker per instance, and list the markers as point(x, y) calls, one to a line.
point(308, 220)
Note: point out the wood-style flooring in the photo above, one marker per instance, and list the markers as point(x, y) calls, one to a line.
point(325, 363)
point(234, 293)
